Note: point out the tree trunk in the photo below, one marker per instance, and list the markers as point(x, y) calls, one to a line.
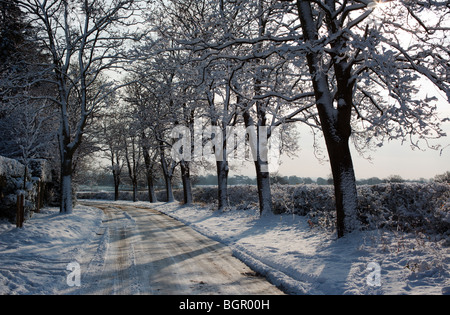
point(186, 179)
point(169, 190)
point(335, 121)
point(66, 185)
point(264, 191)
point(135, 189)
point(167, 174)
point(337, 130)
point(115, 166)
point(150, 185)
point(149, 170)
point(222, 184)
point(344, 186)
point(116, 178)
point(116, 191)
point(151, 188)
point(262, 171)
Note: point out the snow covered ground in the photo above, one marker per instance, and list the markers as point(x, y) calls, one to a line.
point(299, 257)
point(34, 259)
point(305, 259)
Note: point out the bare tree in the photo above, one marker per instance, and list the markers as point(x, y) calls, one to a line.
point(352, 58)
point(234, 82)
point(139, 98)
point(151, 94)
point(133, 155)
point(84, 38)
point(109, 132)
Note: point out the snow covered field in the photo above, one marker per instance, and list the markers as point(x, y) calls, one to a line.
point(299, 257)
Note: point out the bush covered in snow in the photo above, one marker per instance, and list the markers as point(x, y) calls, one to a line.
point(406, 206)
point(12, 174)
point(11, 183)
point(239, 197)
point(400, 206)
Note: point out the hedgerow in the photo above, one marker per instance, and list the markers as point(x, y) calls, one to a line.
point(400, 206)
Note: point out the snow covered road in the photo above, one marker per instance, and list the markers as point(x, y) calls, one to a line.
point(129, 248)
point(147, 252)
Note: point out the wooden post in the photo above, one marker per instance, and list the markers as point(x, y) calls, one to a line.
point(20, 210)
point(38, 197)
point(41, 195)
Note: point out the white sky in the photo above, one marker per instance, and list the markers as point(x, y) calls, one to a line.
point(391, 159)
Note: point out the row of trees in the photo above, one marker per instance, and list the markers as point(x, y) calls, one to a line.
point(343, 68)
point(348, 69)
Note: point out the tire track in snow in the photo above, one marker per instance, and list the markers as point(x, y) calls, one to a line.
point(148, 252)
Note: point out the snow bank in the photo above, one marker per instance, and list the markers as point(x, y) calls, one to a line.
point(11, 183)
point(303, 258)
point(34, 259)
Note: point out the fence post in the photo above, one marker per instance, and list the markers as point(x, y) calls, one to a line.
point(38, 197)
point(41, 195)
point(20, 210)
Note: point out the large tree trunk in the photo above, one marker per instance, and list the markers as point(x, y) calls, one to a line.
point(132, 174)
point(335, 121)
point(116, 190)
point(149, 172)
point(222, 169)
point(344, 185)
point(264, 191)
point(261, 168)
point(116, 177)
point(135, 190)
point(151, 188)
point(66, 205)
point(169, 190)
point(222, 184)
point(186, 179)
point(167, 174)
point(337, 130)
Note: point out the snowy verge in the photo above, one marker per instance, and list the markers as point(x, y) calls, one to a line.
point(302, 258)
point(34, 259)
